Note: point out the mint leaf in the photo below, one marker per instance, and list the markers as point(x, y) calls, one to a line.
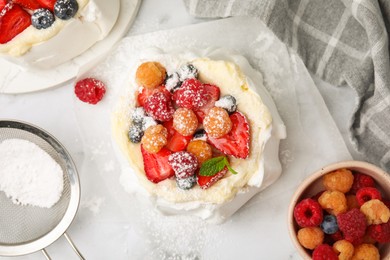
point(230, 167)
point(212, 166)
point(215, 165)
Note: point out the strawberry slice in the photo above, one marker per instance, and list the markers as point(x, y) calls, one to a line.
point(48, 4)
point(13, 20)
point(206, 181)
point(236, 142)
point(28, 4)
point(176, 141)
point(145, 93)
point(213, 93)
point(156, 165)
point(2, 4)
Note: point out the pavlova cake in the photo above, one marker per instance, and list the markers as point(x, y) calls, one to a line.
point(197, 136)
point(46, 33)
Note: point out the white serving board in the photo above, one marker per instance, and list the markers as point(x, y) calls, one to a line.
point(123, 228)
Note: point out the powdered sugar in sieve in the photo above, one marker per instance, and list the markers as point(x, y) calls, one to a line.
point(25, 227)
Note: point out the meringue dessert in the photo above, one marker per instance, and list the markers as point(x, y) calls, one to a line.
point(196, 134)
point(43, 34)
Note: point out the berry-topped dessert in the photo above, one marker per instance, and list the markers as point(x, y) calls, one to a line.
point(46, 33)
point(194, 133)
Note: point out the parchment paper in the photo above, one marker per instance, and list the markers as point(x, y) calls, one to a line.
point(120, 226)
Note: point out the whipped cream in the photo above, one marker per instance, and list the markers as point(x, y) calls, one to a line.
point(227, 195)
point(65, 39)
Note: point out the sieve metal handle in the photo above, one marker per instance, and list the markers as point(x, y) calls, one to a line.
point(44, 252)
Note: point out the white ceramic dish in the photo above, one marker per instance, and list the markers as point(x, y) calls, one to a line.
point(16, 80)
point(313, 184)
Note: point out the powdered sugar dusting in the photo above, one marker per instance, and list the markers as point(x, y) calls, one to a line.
point(177, 237)
point(28, 175)
point(93, 204)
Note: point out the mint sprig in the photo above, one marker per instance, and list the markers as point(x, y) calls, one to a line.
point(215, 165)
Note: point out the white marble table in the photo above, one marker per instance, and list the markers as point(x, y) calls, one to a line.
point(53, 110)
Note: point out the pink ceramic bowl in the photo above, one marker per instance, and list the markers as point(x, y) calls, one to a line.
point(313, 184)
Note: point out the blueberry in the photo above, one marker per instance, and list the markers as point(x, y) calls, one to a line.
point(329, 224)
point(173, 82)
point(228, 103)
point(42, 18)
point(186, 183)
point(187, 71)
point(138, 116)
point(200, 135)
point(135, 134)
point(66, 9)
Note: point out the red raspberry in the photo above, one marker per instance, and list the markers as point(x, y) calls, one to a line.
point(380, 233)
point(361, 180)
point(368, 193)
point(90, 90)
point(183, 164)
point(386, 202)
point(192, 94)
point(324, 252)
point(159, 106)
point(337, 236)
point(353, 225)
point(308, 213)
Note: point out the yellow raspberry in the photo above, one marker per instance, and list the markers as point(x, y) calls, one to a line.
point(201, 149)
point(185, 121)
point(150, 74)
point(366, 252)
point(340, 180)
point(217, 122)
point(376, 212)
point(310, 237)
point(334, 202)
point(344, 249)
point(155, 137)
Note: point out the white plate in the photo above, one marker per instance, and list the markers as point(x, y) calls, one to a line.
point(17, 80)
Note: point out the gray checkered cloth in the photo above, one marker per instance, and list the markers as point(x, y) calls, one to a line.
point(341, 41)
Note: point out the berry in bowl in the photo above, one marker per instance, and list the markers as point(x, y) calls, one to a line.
point(342, 212)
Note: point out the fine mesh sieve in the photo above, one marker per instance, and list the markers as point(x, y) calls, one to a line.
point(27, 229)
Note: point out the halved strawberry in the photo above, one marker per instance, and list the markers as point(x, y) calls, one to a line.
point(236, 142)
point(156, 165)
point(13, 20)
point(145, 93)
point(213, 93)
point(2, 4)
point(206, 181)
point(176, 141)
point(49, 4)
point(28, 4)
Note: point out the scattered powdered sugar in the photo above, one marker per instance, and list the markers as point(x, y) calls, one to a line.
point(93, 204)
point(109, 166)
point(28, 175)
point(148, 122)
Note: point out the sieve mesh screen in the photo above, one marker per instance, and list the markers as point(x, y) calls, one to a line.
point(23, 224)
